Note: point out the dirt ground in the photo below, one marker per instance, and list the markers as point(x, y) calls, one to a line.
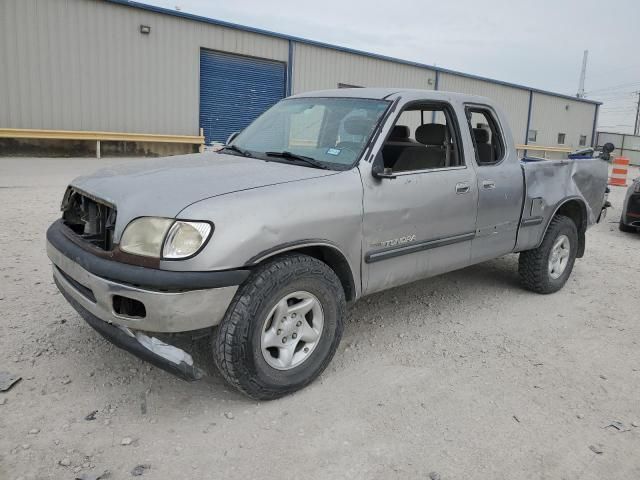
point(464, 376)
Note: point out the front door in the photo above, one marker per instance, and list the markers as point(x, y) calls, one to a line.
point(422, 222)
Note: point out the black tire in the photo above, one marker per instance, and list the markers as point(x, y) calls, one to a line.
point(236, 343)
point(626, 228)
point(533, 265)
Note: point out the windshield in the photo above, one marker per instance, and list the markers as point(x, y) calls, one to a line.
point(331, 131)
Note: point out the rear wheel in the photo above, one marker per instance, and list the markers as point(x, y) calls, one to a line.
point(547, 268)
point(282, 328)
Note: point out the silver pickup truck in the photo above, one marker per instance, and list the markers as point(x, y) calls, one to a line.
point(327, 197)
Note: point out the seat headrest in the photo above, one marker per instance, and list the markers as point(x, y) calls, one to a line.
point(357, 126)
point(399, 132)
point(481, 135)
point(431, 133)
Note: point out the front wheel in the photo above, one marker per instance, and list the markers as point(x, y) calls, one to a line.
point(282, 328)
point(547, 268)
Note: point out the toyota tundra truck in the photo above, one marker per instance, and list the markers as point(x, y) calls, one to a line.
point(325, 198)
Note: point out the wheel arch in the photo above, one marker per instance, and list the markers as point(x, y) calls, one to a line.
point(574, 208)
point(322, 250)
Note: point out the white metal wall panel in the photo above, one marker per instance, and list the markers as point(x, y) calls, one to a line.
point(552, 115)
point(513, 101)
point(84, 65)
point(319, 68)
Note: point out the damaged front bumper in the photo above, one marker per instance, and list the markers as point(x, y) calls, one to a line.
point(122, 301)
point(168, 358)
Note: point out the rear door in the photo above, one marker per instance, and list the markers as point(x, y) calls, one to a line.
point(499, 182)
point(420, 223)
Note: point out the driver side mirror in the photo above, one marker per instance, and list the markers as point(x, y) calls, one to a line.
point(378, 170)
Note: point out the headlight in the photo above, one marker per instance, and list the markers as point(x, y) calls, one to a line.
point(144, 236)
point(636, 185)
point(164, 237)
point(185, 239)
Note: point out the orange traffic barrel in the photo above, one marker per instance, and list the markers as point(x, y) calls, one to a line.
point(619, 172)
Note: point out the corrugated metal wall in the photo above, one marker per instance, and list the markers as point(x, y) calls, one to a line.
point(513, 101)
point(552, 115)
point(235, 90)
point(84, 65)
point(318, 68)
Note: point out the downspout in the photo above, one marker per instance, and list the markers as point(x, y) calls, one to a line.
point(435, 87)
point(289, 88)
point(593, 132)
point(526, 133)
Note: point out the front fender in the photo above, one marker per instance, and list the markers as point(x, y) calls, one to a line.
point(255, 224)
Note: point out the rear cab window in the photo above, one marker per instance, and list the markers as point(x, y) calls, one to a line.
point(486, 135)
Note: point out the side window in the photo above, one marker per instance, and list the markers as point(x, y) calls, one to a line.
point(424, 137)
point(486, 135)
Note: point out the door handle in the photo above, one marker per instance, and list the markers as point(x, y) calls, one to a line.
point(462, 187)
point(488, 184)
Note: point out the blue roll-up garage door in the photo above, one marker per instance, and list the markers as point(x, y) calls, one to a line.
point(234, 90)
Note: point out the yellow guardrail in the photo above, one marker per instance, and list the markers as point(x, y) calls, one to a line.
point(542, 148)
point(101, 136)
point(162, 138)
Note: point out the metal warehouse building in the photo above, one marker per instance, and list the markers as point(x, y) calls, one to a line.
point(72, 67)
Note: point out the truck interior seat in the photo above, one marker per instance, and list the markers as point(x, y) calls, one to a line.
point(400, 133)
point(398, 140)
point(484, 148)
point(357, 127)
point(432, 153)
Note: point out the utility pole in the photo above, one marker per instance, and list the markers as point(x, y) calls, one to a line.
point(636, 124)
point(583, 74)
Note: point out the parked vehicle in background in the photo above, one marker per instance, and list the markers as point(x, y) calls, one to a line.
point(326, 197)
point(630, 218)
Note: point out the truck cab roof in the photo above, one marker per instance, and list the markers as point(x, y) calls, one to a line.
point(387, 93)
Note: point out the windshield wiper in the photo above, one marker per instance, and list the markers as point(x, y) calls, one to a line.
point(308, 160)
point(241, 151)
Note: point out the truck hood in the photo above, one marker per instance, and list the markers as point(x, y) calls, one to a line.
point(163, 187)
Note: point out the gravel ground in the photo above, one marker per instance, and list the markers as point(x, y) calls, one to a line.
point(464, 376)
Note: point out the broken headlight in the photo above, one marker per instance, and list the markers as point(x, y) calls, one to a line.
point(164, 237)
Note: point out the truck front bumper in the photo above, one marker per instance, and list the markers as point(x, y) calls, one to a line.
point(162, 311)
point(122, 301)
point(136, 297)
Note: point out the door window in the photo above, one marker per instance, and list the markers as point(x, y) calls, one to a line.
point(424, 137)
point(487, 138)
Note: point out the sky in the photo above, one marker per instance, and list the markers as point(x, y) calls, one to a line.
point(537, 43)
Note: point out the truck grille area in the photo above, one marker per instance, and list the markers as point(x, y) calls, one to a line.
point(92, 220)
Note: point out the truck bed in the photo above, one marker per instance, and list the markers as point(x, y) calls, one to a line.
point(548, 183)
